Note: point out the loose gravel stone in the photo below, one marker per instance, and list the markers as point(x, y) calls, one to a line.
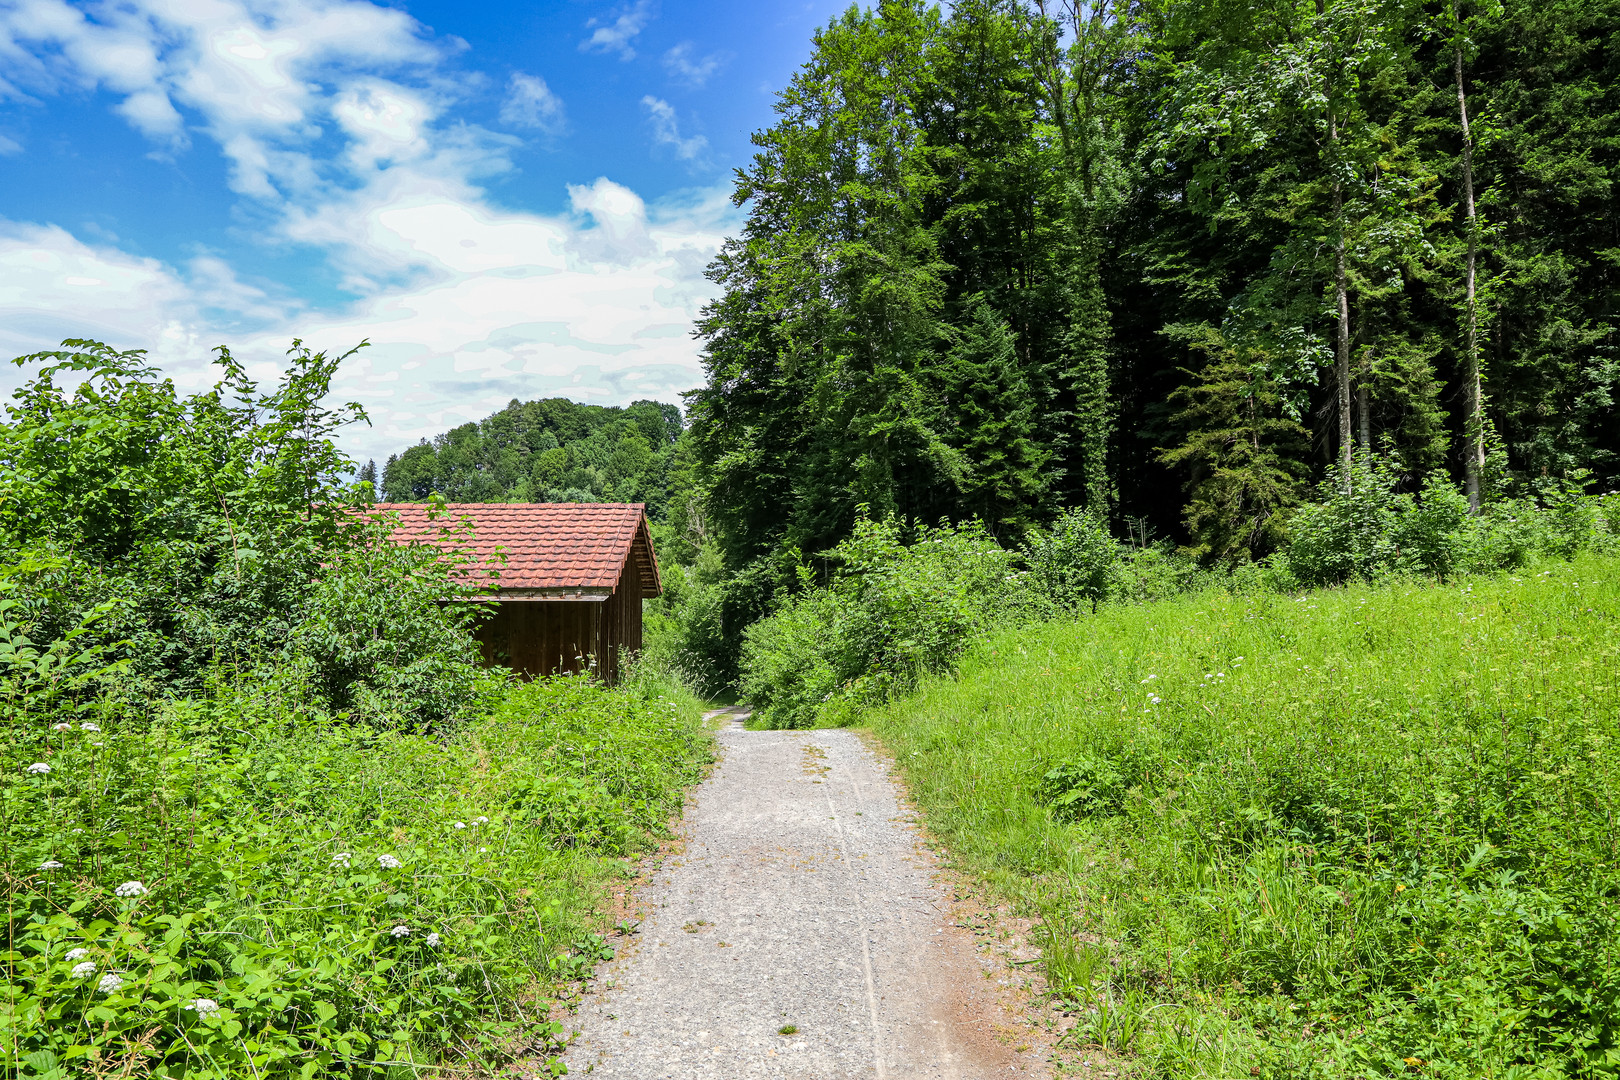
point(801, 900)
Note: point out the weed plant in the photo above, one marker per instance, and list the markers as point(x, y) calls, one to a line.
point(243, 885)
point(1368, 831)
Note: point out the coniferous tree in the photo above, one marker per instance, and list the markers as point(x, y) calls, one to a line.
point(992, 423)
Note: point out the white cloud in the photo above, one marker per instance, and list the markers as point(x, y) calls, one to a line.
point(531, 104)
point(54, 286)
point(684, 66)
point(9, 146)
point(339, 130)
point(667, 130)
point(596, 305)
point(616, 36)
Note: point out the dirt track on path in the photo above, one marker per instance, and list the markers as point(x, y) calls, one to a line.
point(801, 898)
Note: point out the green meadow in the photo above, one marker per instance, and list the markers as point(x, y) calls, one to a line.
point(1362, 831)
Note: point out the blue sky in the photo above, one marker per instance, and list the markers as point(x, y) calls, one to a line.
point(507, 200)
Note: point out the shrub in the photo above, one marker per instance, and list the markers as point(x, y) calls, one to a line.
point(1347, 534)
point(893, 612)
point(348, 896)
point(1076, 562)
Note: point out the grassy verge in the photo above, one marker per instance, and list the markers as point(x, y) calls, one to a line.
point(1367, 831)
point(244, 887)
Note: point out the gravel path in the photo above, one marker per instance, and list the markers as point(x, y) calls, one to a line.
point(801, 899)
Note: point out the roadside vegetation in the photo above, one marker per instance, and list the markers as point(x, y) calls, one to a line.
point(1357, 831)
point(263, 814)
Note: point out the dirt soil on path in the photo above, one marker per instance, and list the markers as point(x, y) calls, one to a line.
point(803, 899)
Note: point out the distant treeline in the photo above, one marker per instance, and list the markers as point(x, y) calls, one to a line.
point(553, 450)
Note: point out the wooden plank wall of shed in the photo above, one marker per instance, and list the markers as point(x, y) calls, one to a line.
point(543, 637)
point(621, 623)
point(540, 637)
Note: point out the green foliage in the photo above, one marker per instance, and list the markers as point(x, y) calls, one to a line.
point(1361, 832)
point(892, 613)
point(1166, 262)
point(220, 529)
point(1241, 451)
point(553, 450)
point(349, 896)
point(1076, 561)
point(262, 812)
point(1373, 529)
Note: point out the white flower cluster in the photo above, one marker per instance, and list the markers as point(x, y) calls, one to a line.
point(38, 768)
point(110, 984)
point(461, 825)
point(90, 727)
point(401, 931)
point(204, 1006)
point(61, 727)
point(388, 862)
point(130, 889)
point(341, 859)
point(50, 864)
point(477, 821)
point(433, 941)
point(78, 954)
point(84, 970)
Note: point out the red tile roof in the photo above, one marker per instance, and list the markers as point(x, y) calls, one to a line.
point(562, 547)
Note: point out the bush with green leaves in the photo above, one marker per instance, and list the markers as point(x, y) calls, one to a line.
point(1372, 528)
point(892, 612)
point(1076, 562)
point(242, 884)
point(222, 528)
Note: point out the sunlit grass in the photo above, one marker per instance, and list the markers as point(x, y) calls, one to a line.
point(1331, 834)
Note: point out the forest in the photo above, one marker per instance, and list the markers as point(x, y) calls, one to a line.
point(553, 450)
point(1172, 261)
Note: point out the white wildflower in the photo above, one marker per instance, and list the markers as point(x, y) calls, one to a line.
point(50, 864)
point(77, 954)
point(480, 820)
point(78, 830)
point(84, 970)
point(61, 727)
point(483, 849)
point(433, 941)
point(204, 1006)
point(388, 862)
point(341, 859)
point(38, 768)
point(89, 727)
point(110, 984)
point(130, 888)
point(400, 931)
point(461, 824)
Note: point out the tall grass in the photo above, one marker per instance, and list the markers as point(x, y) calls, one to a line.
point(243, 885)
point(1364, 831)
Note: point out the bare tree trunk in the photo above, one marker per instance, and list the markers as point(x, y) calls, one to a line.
point(1341, 287)
point(1474, 421)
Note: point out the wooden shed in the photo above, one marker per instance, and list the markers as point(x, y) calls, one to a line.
point(569, 578)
